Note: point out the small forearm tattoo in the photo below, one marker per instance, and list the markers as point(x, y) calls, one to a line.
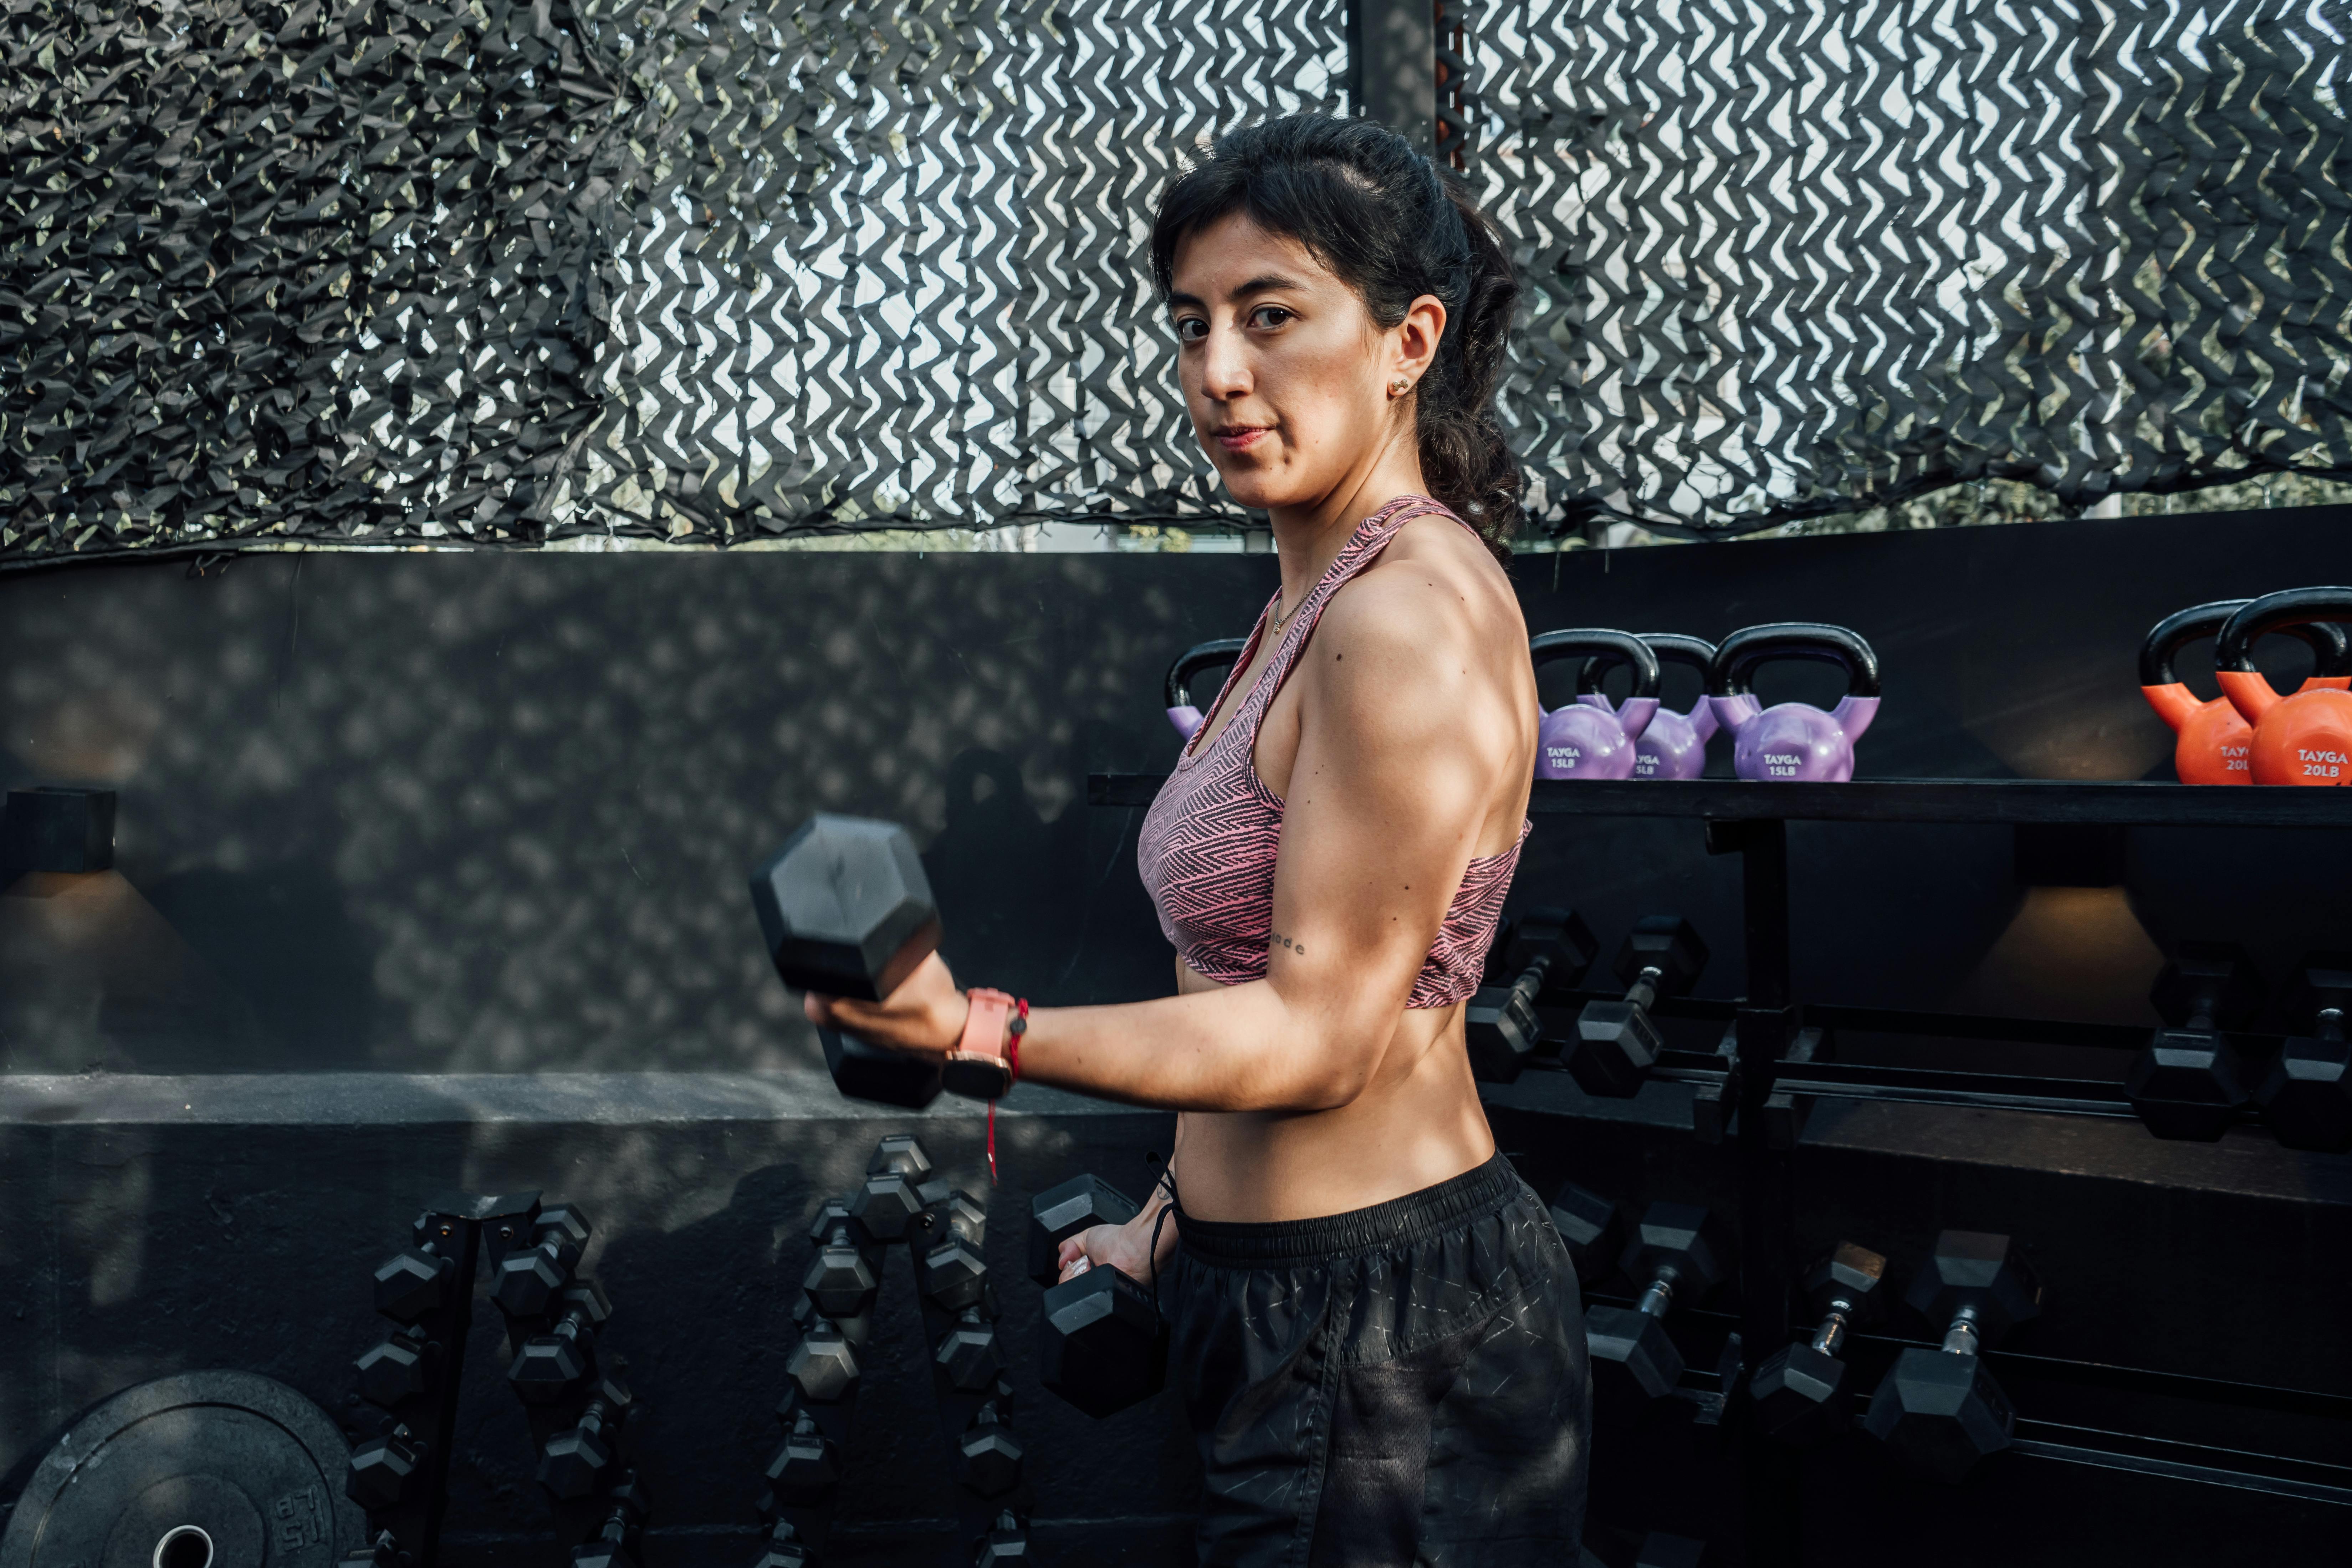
point(1279, 939)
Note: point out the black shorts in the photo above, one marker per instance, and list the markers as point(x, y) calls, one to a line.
point(1399, 1385)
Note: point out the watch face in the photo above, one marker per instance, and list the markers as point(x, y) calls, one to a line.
point(975, 1075)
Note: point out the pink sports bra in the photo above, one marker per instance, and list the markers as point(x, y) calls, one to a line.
point(1208, 841)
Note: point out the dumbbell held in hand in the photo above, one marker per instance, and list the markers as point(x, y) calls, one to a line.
point(846, 910)
point(1104, 1347)
point(1800, 1392)
point(1541, 947)
point(1616, 1043)
point(1940, 1411)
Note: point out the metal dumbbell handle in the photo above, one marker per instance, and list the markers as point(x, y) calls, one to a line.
point(1961, 1338)
point(1643, 992)
point(1659, 1294)
point(2329, 1025)
point(1830, 1337)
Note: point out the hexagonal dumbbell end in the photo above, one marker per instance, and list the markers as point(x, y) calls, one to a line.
point(805, 1463)
point(962, 1215)
point(1676, 1253)
point(530, 1278)
point(1102, 1346)
point(2186, 1084)
point(885, 1205)
point(902, 1152)
point(1061, 1212)
point(1683, 1238)
point(574, 1459)
point(834, 1212)
point(989, 1455)
point(1614, 1049)
point(954, 1276)
point(968, 1354)
point(1501, 1032)
point(823, 1366)
point(846, 908)
point(1006, 1545)
point(839, 1280)
point(1979, 1278)
point(551, 1365)
point(1800, 1392)
point(2306, 1096)
point(784, 1549)
point(1592, 1228)
point(395, 1372)
point(1667, 943)
point(1557, 935)
point(1941, 1411)
point(412, 1284)
point(383, 1469)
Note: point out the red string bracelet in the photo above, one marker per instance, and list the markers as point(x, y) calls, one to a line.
point(1016, 1027)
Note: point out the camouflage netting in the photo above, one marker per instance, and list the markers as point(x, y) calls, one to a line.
point(500, 274)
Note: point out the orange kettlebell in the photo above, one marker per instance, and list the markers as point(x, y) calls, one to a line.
point(2305, 739)
point(2216, 741)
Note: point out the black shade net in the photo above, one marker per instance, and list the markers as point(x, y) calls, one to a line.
point(504, 274)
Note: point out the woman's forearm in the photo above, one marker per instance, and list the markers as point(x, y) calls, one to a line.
point(1239, 1047)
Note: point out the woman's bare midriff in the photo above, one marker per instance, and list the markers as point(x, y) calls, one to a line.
point(1417, 1124)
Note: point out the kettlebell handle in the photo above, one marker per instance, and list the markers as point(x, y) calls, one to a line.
point(1672, 647)
point(1594, 643)
point(1736, 662)
point(2296, 609)
point(1196, 659)
point(2331, 650)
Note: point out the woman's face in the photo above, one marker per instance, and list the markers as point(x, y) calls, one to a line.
point(1285, 373)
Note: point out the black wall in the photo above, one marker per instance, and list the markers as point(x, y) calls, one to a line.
point(488, 815)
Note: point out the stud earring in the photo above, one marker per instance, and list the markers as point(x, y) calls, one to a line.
point(1400, 386)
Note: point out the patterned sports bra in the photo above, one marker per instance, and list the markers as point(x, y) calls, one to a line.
point(1208, 845)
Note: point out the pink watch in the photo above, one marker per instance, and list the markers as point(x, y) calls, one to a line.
point(987, 1060)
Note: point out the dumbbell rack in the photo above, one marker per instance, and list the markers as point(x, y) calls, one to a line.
point(404, 1531)
point(1750, 819)
point(992, 1527)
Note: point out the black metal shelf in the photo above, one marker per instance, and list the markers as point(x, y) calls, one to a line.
point(2014, 802)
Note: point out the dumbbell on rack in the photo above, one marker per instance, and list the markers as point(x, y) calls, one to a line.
point(1540, 947)
point(1800, 1394)
point(1940, 1411)
point(575, 1461)
point(1616, 1043)
point(530, 1278)
point(2188, 1081)
point(847, 910)
point(2306, 1096)
point(1676, 1254)
point(1102, 1347)
point(1592, 1227)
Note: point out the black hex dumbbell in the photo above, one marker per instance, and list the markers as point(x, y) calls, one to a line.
point(1061, 1212)
point(1541, 947)
point(1940, 1411)
point(1006, 1544)
point(950, 1268)
point(847, 910)
point(529, 1278)
point(988, 1455)
point(823, 1365)
point(1592, 1228)
point(841, 1281)
point(1104, 1347)
point(395, 1372)
point(806, 1462)
point(615, 1544)
point(1800, 1392)
point(383, 1470)
point(887, 1202)
point(2306, 1096)
point(2189, 1080)
point(576, 1458)
point(785, 1548)
point(550, 1366)
point(1616, 1043)
point(414, 1283)
point(1676, 1255)
point(968, 1352)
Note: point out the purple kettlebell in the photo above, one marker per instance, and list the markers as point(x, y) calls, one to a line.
point(1793, 741)
point(1672, 745)
point(1579, 740)
point(1190, 663)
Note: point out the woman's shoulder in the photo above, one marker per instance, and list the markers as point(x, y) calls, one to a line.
point(1434, 606)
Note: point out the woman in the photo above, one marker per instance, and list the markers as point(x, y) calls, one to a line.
point(1374, 1324)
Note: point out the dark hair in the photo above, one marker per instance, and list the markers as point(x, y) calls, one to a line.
point(1379, 214)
